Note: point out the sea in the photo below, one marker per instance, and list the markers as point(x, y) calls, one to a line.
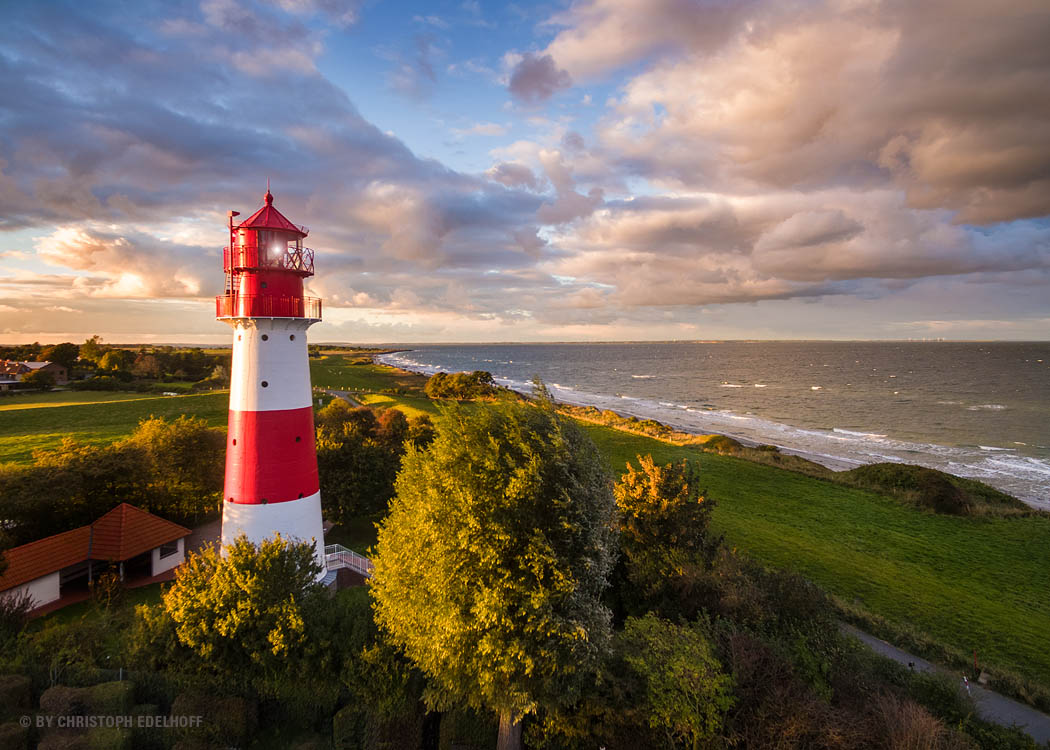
point(979, 410)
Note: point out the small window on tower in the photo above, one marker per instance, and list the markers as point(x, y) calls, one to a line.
point(292, 337)
point(265, 384)
point(265, 337)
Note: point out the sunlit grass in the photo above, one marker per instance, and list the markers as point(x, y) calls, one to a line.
point(39, 400)
point(27, 429)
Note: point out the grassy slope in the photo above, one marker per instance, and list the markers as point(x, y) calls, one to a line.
point(971, 583)
point(24, 430)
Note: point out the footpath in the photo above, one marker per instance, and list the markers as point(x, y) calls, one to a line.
point(989, 705)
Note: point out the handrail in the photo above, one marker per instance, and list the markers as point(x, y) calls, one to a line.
point(337, 556)
point(237, 305)
point(247, 257)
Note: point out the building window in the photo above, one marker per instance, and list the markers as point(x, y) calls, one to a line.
point(169, 549)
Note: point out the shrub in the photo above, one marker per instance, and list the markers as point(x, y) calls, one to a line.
point(15, 693)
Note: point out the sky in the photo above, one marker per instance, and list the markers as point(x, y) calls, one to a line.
point(478, 171)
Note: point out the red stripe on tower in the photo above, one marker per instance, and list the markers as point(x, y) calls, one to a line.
point(270, 456)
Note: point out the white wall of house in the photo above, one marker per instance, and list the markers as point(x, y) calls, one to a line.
point(44, 590)
point(160, 564)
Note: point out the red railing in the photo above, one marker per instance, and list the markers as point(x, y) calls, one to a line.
point(244, 257)
point(256, 306)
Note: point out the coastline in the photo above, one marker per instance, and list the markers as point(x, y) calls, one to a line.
point(783, 436)
point(834, 463)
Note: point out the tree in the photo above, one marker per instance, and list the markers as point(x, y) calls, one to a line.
point(62, 354)
point(185, 462)
point(358, 456)
point(687, 691)
point(92, 349)
point(41, 379)
point(244, 611)
point(490, 567)
point(460, 385)
point(115, 359)
point(664, 532)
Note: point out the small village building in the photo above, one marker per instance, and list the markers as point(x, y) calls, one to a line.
point(12, 372)
point(128, 540)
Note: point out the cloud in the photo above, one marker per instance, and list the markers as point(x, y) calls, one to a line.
point(775, 105)
point(536, 78)
point(603, 35)
point(140, 267)
point(483, 128)
point(513, 175)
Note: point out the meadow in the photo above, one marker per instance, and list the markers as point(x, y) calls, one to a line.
point(100, 420)
point(965, 582)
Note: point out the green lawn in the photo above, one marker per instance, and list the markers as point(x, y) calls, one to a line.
point(37, 399)
point(337, 371)
point(30, 428)
point(970, 583)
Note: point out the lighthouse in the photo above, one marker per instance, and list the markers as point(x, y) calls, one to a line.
point(271, 462)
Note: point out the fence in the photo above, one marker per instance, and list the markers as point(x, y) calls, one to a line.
point(337, 556)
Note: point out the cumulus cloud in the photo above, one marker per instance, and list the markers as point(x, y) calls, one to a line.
point(777, 105)
point(128, 268)
point(513, 175)
point(536, 78)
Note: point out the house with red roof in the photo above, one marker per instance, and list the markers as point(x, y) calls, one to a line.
point(136, 543)
point(12, 372)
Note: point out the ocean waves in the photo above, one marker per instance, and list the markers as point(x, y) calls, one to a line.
point(839, 446)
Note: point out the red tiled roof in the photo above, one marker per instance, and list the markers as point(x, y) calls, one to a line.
point(123, 533)
point(31, 561)
point(269, 217)
point(127, 531)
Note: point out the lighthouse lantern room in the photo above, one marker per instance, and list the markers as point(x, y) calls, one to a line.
point(271, 462)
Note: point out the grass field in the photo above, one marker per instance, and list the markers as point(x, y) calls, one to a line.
point(350, 372)
point(38, 400)
point(30, 428)
point(970, 583)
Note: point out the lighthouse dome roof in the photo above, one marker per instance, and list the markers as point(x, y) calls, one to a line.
point(269, 217)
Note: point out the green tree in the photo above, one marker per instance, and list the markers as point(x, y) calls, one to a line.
point(41, 379)
point(115, 359)
point(185, 462)
point(63, 354)
point(92, 349)
point(686, 689)
point(490, 567)
point(358, 456)
point(244, 611)
point(664, 533)
point(460, 385)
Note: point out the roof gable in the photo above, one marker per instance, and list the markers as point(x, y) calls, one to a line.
point(269, 217)
point(123, 533)
point(127, 531)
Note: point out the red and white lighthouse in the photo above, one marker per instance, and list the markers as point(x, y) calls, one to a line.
point(271, 462)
